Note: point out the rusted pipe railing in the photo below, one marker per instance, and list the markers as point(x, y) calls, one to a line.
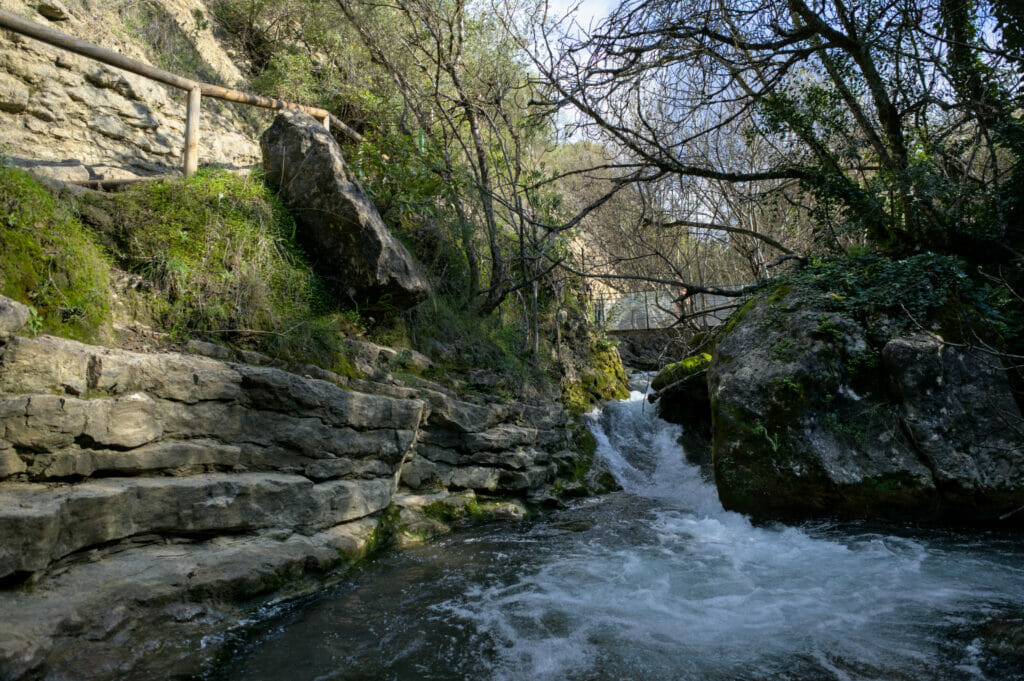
point(196, 89)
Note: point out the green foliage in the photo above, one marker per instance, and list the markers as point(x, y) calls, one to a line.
point(460, 342)
point(220, 254)
point(856, 428)
point(784, 349)
point(863, 362)
point(790, 390)
point(827, 329)
point(50, 261)
point(909, 293)
point(402, 174)
point(35, 321)
point(171, 48)
point(773, 440)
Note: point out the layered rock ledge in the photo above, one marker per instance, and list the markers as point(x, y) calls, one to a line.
point(146, 499)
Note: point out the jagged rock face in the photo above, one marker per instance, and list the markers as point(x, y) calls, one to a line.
point(339, 225)
point(961, 414)
point(810, 420)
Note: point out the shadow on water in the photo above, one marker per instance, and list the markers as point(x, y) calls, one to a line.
point(658, 582)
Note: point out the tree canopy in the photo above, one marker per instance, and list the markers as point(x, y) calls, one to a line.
point(896, 120)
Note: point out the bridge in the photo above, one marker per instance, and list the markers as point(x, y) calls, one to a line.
point(657, 309)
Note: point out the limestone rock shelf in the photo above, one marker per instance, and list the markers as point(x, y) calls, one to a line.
point(147, 498)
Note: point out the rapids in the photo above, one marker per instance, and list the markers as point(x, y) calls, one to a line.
point(658, 582)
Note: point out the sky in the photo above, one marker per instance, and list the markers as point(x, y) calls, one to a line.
point(588, 10)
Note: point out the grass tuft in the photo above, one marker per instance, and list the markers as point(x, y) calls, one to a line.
point(220, 254)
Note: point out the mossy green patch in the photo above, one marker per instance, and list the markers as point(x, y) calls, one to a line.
point(784, 349)
point(779, 294)
point(383, 535)
point(585, 445)
point(221, 256)
point(673, 373)
point(50, 261)
point(736, 316)
point(604, 379)
point(449, 512)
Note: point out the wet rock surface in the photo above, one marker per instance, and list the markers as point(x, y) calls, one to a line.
point(811, 419)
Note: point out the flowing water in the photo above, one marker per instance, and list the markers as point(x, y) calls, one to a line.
point(658, 582)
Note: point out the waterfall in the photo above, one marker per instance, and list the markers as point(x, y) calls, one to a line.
point(659, 583)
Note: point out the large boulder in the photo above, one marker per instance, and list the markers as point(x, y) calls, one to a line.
point(339, 225)
point(814, 415)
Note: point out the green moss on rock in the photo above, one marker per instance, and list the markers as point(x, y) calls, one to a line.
point(50, 261)
point(736, 317)
point(603, 379)
point(673, 373)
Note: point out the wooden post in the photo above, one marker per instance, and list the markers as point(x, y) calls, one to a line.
point(327, 123)
point(192, 132)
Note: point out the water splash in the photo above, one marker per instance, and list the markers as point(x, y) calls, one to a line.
point(644, 455)
point(692, 591)
point(660, 583)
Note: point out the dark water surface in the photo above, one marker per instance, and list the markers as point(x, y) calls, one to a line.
point(658, 583)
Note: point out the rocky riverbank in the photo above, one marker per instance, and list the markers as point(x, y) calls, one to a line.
point(150, 499)
point(830, 399)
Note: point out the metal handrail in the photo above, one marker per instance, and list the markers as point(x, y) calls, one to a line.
point(196, 89)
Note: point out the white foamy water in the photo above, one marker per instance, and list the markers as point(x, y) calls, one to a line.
point(658, 582)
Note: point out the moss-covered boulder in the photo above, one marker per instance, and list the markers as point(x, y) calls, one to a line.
point(679, 372)
point(821, 408)
point(680, 390)
point(602, 378)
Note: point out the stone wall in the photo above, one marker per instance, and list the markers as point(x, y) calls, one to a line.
point(164, 488)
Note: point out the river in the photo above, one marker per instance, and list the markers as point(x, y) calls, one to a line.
point(658, 582)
